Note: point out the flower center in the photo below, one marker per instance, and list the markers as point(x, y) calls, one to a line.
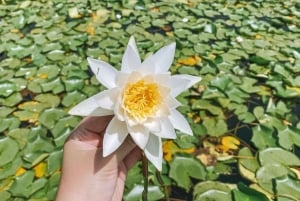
point(141, 99)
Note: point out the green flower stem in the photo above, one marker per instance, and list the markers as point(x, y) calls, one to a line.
point(145, 176)
point(158, 175)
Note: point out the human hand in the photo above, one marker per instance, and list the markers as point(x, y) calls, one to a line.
point(86, 174)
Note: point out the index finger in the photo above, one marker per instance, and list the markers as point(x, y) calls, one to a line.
point(90, 130)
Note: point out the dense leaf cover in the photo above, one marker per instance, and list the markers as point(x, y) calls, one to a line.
point(245, 112)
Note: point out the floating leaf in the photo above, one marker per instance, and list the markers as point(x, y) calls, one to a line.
point(8, 149)
point(48, 99)
point(263, 137)
point(20, 135)
point(185, 168)
point(53, 162)
point(212, 190)
point(287, 187)
point(4, 111)
point(289, 137)
point(56, 55)
point(248, 194)
point(267, 173)
point(215, 127)
point(49, 117)
point(72, 98)
point(276, 155)
point(7, 88)
point(54, 85)
point(24, 186)
point(135, 193)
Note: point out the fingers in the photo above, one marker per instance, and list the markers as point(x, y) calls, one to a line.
point(95, 124)
point(90, 130)
point(134, 156)
point(125, 149)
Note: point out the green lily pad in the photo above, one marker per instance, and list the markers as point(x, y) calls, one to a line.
point(263, 137)
point(20, 135)
point(289, 137)
point(72, 84)
point(54, 35)
point(10, 63)
point(48, 71)
point(9, 149)
point(206, 105)
point(185, 168)
point(52, 186)
point(9, 123)
point(24, 185)
point(54, 162)
point(267, 173)
point(56, 55)
point(10, 169)
point(287, 186)
point(63, 125)
point(215, 127)
point(48, 99)
point(245, 193)
point(7, 88)
point(276, 155)
point(4, 111)
point(54, 85)
point(154, 193)
point(72, 98)
point(51, 116)
point(249, 162)
point(5, 195)
point(212, 190)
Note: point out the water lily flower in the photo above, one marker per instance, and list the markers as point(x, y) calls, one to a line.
point(142, 98)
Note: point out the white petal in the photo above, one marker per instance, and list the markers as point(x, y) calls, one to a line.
point(163, 110)
point(140, 135)
point(132, 44)
point(153, 125)
point(119, 111)
point(122, 78)
point(114, 136)
point(163, 79)
point(167, 129)
point(131, 59)
point(161, 61)
point(105, 73)
point(153, 151)
point(180, 83)
point(179, 122)
point(171, 102)
point(89, 107)
point(107, 98)
point(193, 79)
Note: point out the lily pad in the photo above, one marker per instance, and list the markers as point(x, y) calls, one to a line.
point(212, 190)
point(56, 55)
point(7, 88)
point(50, 117)
point(276, 155)
point(9, 149)
point(154, 193)
point(184, 168)
point(248, 194)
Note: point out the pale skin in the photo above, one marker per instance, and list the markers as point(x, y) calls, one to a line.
point(86, 174)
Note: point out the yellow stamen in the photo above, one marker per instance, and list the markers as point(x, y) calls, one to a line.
point(141, 99)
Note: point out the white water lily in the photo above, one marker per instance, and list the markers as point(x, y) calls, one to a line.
point(142, 99)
